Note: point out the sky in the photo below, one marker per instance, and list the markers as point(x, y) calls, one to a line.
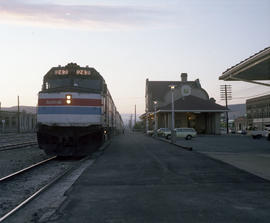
point(128, 41)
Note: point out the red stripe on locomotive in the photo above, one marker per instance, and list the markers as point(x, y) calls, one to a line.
point(74, 102)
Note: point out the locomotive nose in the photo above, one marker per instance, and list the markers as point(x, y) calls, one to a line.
point(67, 141)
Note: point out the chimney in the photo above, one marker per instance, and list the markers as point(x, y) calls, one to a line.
point(183, 77)
point(212, 100)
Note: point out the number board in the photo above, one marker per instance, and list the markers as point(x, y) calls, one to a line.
point(61, 72)
point(83, 72)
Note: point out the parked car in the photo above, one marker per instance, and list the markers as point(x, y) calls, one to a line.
point(256, 134)
point(187, 133)
point(150, 132)
point(163, 132)
point(242, 132)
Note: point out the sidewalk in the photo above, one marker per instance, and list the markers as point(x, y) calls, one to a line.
point(140, 179)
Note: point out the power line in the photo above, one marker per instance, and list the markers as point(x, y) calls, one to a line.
point(255, 87)
point(262, 94)
point(247, 97)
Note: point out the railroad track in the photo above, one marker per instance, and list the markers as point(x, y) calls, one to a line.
point(17, 145)
point(16, 136)
point(25, 169)
point(40, 189)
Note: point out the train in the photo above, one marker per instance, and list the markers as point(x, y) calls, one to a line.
point(75, 113)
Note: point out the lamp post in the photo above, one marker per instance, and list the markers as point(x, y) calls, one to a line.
point(155, 107)
point(146, 122)
point(172, 86)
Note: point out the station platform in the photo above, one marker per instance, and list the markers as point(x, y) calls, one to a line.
point(140, 179)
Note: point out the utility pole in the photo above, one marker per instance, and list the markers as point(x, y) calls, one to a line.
point(130, 122)
point(18, 115)
point(135, 117)
point(226, 94)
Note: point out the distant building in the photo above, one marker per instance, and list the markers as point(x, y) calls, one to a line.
point(9, 121)
point(258, 112)
point(192, 105)
point(237, 110)
point(240, 124)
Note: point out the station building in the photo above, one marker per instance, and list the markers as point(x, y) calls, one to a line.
point(192, 105)
point(258, 112)
point(9, 121)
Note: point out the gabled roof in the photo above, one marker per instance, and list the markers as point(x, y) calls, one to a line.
point(157, 89)
point(193, 104)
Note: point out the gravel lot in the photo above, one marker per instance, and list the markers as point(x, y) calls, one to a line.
point(12, 138)
point(17, 189)
point(13, 160)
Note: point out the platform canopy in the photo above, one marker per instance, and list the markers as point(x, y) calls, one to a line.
point(253, 69)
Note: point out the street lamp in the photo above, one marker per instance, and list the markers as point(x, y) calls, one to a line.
point(155, 107)
point(172, 87)
point(146, 122)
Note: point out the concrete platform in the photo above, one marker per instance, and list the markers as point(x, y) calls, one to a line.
point(140, 179)
point(244, 152)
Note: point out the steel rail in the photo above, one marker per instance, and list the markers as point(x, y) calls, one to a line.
point(54, 180)
point(17, 145)
point(26, 168)
point(16, 136)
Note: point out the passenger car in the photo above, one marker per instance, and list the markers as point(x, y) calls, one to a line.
point(150, 132)
point(186, 133)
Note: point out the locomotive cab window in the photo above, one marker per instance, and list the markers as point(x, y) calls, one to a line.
point(61, 82)
point(87, 83)
point(70, 82)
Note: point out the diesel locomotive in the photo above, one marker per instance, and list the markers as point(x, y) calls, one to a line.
point(75, 112)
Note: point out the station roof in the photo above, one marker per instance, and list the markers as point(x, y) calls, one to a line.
point(256, 67)
point(158, 89)
point(193, 104)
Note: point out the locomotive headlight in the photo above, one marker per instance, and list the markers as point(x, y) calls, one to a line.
point(68, 99)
